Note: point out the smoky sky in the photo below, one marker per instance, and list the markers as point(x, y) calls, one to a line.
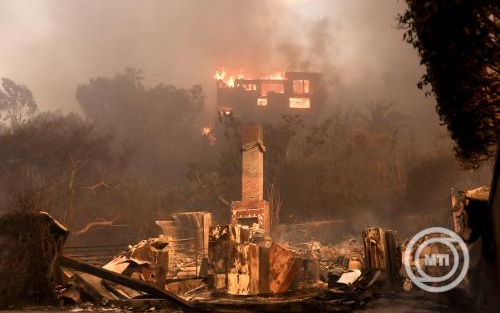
point(53, 45)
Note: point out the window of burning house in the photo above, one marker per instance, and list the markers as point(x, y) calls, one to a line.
point(266, 88)
point(301, 86)
point(262, 102)
point(300, 103)
point(249, 87)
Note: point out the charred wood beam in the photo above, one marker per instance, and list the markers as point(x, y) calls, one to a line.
point(124, 281)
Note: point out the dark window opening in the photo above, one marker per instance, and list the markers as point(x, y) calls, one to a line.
point(248, 221)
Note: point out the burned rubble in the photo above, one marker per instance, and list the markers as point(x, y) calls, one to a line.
point(196, 265)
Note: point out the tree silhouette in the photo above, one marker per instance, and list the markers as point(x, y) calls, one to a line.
point(381, 118)
point(457, 41)
point(162, 122)
point(17, 102)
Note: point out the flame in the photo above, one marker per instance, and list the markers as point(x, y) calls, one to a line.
point(207, 131)
point(228, 79)
point(279, 75)
point(221, 75)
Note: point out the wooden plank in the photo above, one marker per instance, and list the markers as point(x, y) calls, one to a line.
point(393, 259)
point(123, 280)
point(253, 268)
point(374, 241)
point(264, 261)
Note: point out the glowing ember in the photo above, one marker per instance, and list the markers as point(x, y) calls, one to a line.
point(225, 111)
point(300, 103)
point(207, 132)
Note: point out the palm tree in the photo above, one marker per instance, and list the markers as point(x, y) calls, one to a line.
point(385, 124)
point(381, 118)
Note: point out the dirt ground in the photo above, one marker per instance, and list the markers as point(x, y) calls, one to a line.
point(403, 303)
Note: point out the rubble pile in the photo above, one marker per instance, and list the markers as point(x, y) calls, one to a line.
point(244, 267)
point(242, 261)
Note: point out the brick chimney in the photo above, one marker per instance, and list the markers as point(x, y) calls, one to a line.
point(252, 179)
point(252, 208)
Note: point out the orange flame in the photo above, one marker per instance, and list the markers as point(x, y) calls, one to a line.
point(228, 79)
point(276, 76)
point(220, 75)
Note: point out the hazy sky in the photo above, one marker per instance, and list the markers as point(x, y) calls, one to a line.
point(53, 45)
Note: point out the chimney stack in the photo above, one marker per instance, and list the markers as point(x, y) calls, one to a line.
point(252, 209)
point(252, 180)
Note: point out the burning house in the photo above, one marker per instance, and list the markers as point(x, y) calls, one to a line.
point(291, 93)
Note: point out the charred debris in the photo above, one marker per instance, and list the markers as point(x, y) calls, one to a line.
point(194, 265)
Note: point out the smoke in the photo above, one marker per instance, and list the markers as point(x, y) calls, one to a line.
point(54, 45)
